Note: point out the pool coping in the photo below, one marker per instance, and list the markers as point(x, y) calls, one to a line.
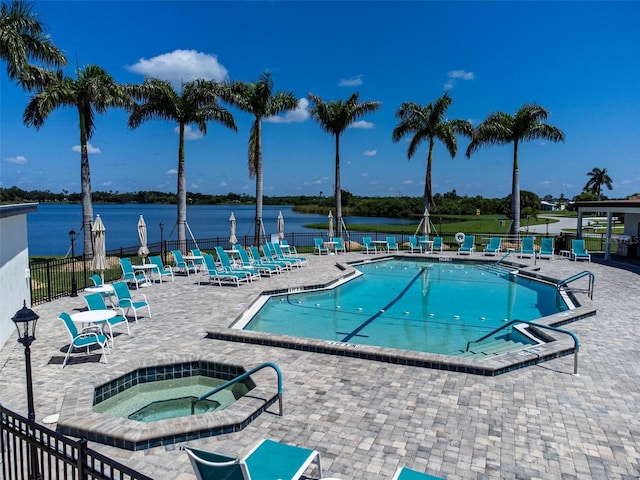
point(561, 345)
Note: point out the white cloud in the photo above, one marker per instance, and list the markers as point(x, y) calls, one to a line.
point(455, 75)
point(223, 184)
point(361, 124)
point(300, 114)
point(190, 133)
point(90, 149)
point(351, 82)
point(19, 160)
point(364, 175)
point(171, 171)
point(108, 183)
point(370, 153)
point(181, 66)
point(407, 182)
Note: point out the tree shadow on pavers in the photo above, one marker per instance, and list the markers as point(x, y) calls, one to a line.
point(77, 356)
point(623, 263)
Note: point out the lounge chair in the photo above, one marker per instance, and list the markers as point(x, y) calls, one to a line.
point(318, 246)
point(368, 245)
point(268, 460)
point(404, 473)
point(181, 265)
point(95, 301)
point(493, 247)
point(275, 248)
point(227, 267)
point(288, 249)
point(247, 263)
point(199, 262)
point(258, 260)
point(578, 252)
point(414, 244)
point(546, 249)
point(213, 274)
point(527, 248)
point(161, 270)
point(437, 244)
point(392, 244)
point(97, 280)
point(468, 246)
point(84, 338)
point(128, 301)
point(130, 275)
point(338, 245)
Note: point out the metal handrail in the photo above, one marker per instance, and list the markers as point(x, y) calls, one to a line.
point(576, 342)
point(577, 276)
point(240, 378)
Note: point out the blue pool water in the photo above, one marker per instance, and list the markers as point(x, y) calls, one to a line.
point(411, 305)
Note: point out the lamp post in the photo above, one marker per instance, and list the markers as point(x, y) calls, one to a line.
point(25, 320)
point(162, 241)
point(546, 220)
point(74, 285)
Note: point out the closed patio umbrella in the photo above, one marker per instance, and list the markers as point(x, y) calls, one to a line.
point(330, 233)
point(99, 262)
point(424, 224)
point(280, 226)
point(143, 251)
point(232, 228)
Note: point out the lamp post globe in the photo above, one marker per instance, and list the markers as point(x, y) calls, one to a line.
point(25, 320)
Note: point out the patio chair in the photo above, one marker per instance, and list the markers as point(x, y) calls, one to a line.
point(414, 244)
point(546, 249)
point(404, 473)
point(318, 246)
point(95, 301)
point(275, 248)
point(85, 338)
point(468, 246)
point(268, 269)
point(125, 299)
point(227, 267)
point(338, 246)
point(130, 275)
point(493, 247)
point(257, 258)
point(437, 244)
point(288, 249)
point(268, 460)
point(527, 249)
point(214, 274)
point(199, 262)
point(578, 251)
point(181, 265)
point(392, 244)
point(368, 245)
point(97, 280)
point(161, 270)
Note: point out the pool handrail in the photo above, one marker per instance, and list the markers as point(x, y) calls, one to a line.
point(577, 276)
point(576, 342)
point(242, 377)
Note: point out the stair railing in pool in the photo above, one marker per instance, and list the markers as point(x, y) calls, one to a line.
point(584, 273)
point(240, 378)
point(533, 324)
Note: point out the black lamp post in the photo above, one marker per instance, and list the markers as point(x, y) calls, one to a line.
point(25, 320)
point(162, 241)
point(546, 220)
point(74, 285)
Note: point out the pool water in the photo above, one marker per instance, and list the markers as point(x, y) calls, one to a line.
point(411, 305)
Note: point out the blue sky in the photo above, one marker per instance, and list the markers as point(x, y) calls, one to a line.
point(577, 59)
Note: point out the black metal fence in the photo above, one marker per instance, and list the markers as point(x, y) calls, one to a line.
point(32, 451)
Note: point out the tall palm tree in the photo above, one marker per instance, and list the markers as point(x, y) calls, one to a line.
point(501, 129)
point(597, 178)
point(334, 117)
point(93, 91)
point(259, 99)
point(22, 39)
point(196, 104)
point(429, 123)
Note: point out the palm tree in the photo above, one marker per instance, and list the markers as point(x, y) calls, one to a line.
point(597, 178)
point(22, 39)
point(429, 123)
point(334, 117)
point(196, 104)
point(259, 99)
point(94, 91)
point(501, 129)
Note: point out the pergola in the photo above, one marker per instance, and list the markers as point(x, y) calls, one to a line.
point(630, 209)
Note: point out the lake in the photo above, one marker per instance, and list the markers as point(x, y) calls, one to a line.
point(49, 227)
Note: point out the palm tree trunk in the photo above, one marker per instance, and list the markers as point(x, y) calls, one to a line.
point(515, 193)
point(85, 186)
point(338, 192)
point(182, 194)
point(259, 183)
point(427, 199)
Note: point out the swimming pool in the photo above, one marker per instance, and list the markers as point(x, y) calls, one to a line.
point(412, 305)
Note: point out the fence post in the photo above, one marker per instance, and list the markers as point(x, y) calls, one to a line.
point(49, 294)
point(82, 459)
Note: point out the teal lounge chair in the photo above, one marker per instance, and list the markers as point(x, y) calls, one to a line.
point(437, 244)
point(214, 274)
point(578, 252)
point(227, 267)
point(338, 245)
point(493, 247)
point(180, 264)
point(247, 263)
point(199, 262)
point(528, 248)
point(130, 275)
point(368, 245)
point(546, 249)
point(97, 280)
point(275, 248)
point(414, 244)
point(404, 473)
point(85, 338)
point(288, 249)
point(95, 301)
point(130, 302)
point(161, 270)
point(468, 246)
point(258, 260)
point(392, 244)
point(268, 460)
point(318, 246)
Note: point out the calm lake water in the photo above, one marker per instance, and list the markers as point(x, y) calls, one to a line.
point(49, 226)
